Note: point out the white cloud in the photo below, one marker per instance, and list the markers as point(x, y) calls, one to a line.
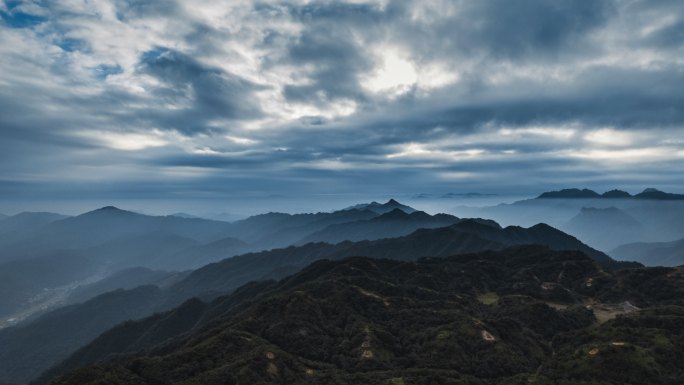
point(419, 150)
point(611, 137)
point(126, 141)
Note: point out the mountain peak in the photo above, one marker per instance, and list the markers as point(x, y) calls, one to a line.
point(109, 208)
point(615, 193)
point(655, 194)
point(651, 190)
point(382, 208)
point(106, 210)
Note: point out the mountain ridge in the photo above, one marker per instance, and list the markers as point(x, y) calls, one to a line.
point(370, 321)
point(575, 193)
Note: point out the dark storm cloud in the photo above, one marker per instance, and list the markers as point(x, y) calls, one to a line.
point(328, 45)
point(213, 93)
point(527, 28)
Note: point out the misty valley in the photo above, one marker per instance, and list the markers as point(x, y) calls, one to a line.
point(569, 287)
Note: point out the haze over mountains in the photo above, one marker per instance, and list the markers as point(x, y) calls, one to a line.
point(101, 242)
point(656, 253)
point(67, 280)
point(604, 221)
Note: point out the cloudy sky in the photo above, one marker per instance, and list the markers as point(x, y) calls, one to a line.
point(171, 99)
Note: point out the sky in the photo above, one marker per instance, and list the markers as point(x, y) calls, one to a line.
point(218, 101)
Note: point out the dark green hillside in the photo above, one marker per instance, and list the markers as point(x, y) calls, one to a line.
point(521, 315)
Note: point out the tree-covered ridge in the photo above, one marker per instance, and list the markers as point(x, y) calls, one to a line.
point(521, 315)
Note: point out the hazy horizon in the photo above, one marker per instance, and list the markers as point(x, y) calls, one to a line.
point(243, 206)
point(246, 206)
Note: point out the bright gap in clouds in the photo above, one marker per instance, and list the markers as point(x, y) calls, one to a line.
point(396, 74)
point(129, 141)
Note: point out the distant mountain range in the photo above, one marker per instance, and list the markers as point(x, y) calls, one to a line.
point(111, 239)
point(603, 221)
point(519, 315)
point(574, 193)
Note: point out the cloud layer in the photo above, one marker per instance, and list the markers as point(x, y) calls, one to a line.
point(173, 98)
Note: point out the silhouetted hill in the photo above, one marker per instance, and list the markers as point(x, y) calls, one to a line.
point(382, 208)
point(519, 315)
point(466, 236)
point(653, 254)
point(574, 193)
point(27, 221)
point(109, 223)
point(612, 194)
point(280, 229)
point(119, 230)
point(570, 193)
point(651, 193)
point(393, 223)
point(119, 239)
point(604, 228)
